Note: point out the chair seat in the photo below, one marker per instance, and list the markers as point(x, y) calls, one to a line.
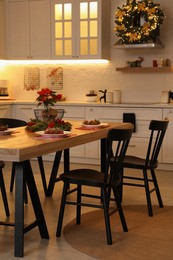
point(89, 177)
point(138, 163)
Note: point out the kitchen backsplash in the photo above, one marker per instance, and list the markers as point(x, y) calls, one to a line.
point(79, 79)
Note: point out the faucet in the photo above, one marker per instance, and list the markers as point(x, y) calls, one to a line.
point(104, 95)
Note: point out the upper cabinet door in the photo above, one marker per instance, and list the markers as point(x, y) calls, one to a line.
point(88, 31)
point(18, 29)
point(40, 29)
point(28, 29)
point(63, 17)
point(77, 29)
point(2, 31)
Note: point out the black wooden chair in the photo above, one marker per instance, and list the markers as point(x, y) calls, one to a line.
point(149, 163)
point(103, 181)
point(3, 190)
point(12, 123)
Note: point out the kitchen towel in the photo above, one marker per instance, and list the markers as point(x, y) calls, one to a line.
point(130, 118)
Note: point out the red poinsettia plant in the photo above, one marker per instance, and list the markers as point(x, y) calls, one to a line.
point(59, 124)
point(47, 98)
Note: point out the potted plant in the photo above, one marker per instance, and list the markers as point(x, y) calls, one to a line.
point(47, 98)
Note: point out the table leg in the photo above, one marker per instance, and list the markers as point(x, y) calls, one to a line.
point(42, 172)
point(19, 211)
point(103, 155)
point(53, 177)
point(66, 160)
point(36, 201)
point(54, 172)
point(23, 173)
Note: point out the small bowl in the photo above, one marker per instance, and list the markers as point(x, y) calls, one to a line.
point(91, 98)
point(39, 116)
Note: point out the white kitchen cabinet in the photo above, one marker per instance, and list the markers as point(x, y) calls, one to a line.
point(6, 111)
point(139, 141)
point(167, 156)
point(80, 29)
point(90, 153)
point(92, 150)
point(28, 26)
point(2, 31)
point(24, 112)
point(73, 113)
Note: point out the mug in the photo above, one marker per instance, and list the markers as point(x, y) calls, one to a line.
point(165, 97)
point(109, 97)
point(160, 62)
point(116, 96)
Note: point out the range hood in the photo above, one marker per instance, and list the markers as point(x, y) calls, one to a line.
point(153, 45)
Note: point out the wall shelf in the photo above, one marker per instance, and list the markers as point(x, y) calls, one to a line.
point(152, 45)
point(145, 69)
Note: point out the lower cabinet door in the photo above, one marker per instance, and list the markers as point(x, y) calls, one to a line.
point(6, 111)
point(24, 112)
point(168, 140)
point(138, 147)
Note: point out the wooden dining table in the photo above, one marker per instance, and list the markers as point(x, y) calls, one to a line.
point(21, 146)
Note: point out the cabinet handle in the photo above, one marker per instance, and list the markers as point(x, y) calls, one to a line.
point(132, 145)
point(91, 109)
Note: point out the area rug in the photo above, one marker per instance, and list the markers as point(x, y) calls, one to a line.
point(148, 238)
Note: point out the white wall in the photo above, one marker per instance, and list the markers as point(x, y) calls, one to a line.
point(79, 79)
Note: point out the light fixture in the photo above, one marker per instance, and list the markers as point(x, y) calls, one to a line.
point(53, 62)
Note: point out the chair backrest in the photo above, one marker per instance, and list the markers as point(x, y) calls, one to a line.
point(158, 129)
point(12, 123)
point(117, 144)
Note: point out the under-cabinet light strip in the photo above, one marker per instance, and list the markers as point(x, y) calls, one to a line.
point(44, 62)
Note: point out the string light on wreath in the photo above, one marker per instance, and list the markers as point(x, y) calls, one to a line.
point(138, 22)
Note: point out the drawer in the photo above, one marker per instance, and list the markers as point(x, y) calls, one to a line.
point(138, 147)
point(142, 129)
point(141, 113)
point(5, 111)
point(78, 151)
point(24, 112)
point(73, 112)
point(92, 113)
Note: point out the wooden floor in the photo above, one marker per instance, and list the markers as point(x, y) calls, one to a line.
point(57, 248)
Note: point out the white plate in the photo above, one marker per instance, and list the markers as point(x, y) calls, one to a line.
point(94, 126)
point(42, 134)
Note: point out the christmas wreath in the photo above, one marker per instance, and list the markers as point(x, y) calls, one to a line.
point(138, 22)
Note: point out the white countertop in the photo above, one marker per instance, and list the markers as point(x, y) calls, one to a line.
point(96, 104)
